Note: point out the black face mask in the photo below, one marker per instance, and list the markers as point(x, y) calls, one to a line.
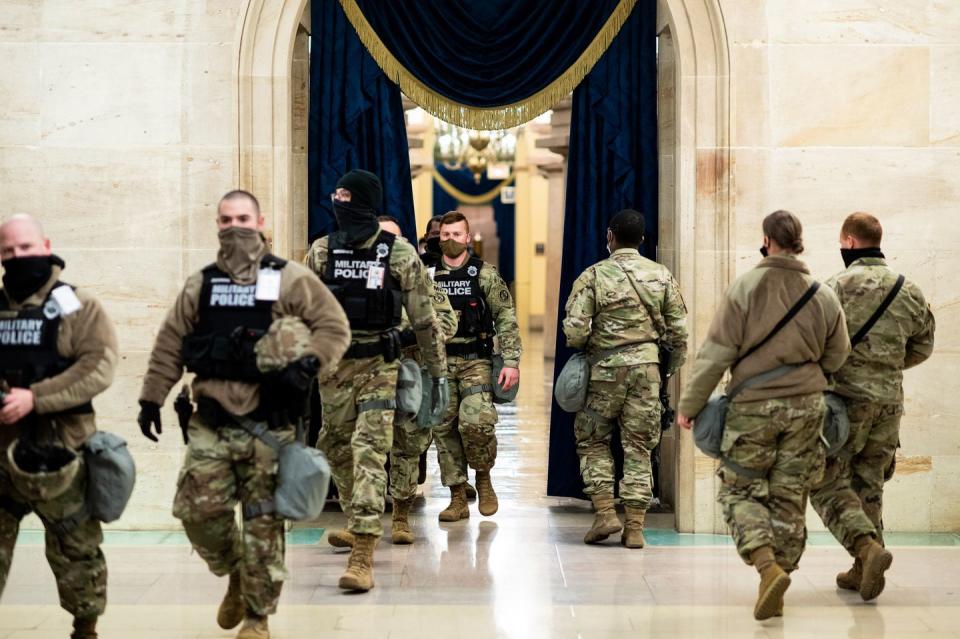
point(24, 276)
point(433, 245)
point(764, 252)
point(852, 255)
point(357, 222)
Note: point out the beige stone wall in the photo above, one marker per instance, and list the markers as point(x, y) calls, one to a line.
point(846, 105)
point(118, 129)
point(122, 122)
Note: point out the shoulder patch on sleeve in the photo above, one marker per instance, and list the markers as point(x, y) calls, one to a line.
point(504, 295)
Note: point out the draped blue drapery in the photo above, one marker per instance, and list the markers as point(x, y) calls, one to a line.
point(488, 53)
point(503, 214)
point(612, 165)
point(356, 122)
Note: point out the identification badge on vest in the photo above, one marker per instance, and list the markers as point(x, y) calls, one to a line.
point(268, 285)
point(66, 299)
point(375, 276)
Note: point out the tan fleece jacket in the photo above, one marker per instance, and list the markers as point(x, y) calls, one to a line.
point(302, 295)
point(87, 337)
point(816, 338)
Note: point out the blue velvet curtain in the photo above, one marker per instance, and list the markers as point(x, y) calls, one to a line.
point(503, 214)
point(612, 165)
point(490, 52)
point(356, 122)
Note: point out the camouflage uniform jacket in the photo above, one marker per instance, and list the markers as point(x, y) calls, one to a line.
point(901, 338)
point(418, 293)
point(498, 297)
point(302, 295)
point(604, 312)
point(87, 337)
point(815, 339)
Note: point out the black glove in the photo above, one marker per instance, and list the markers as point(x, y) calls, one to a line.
point(408, 338)
point(149, 414)
point(298, 374)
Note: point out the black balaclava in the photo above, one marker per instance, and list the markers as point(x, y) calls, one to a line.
point(851, 255)
point(24, 276)
point(433, 245)
point(357, 218)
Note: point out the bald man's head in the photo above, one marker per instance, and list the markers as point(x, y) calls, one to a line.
point(22, 235)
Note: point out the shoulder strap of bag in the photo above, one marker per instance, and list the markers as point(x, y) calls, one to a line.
point(653, 318)
point(261, 431)
point(856, 339)
point(762, 378)
point(783, 322)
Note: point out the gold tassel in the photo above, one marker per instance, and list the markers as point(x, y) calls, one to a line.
point(491, 118)
point(466, 198)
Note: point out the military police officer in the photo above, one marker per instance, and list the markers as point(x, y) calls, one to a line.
point(623, 311)
point(375, 275)
point(485, 309)
point(213, 330)
point(411, 437)
point(58, 351)
point(850, 497)
point(771, 446)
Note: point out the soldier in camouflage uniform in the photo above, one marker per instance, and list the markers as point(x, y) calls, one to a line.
point(215, 330)
point(484, 308)
point(771, 445)
point(410, 439)
point(621, 310)
point(850, 497)
point(376, 276)
point(55, 369)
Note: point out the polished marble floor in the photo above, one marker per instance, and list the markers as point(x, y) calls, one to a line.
point(523, 573)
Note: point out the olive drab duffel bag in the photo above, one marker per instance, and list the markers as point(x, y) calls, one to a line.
point(501, 396)
point(303, 477)
point(111, 474)
point(409, 390)
point(570, 389)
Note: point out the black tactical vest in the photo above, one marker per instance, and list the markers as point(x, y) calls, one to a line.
point(462, 286)
point(28, 345)
point(368, 309)
point(230, 321)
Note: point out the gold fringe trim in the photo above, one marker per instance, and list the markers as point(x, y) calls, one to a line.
point(466, 198)
point(491, 118)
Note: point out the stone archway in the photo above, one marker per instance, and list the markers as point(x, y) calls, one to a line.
point(695, 177)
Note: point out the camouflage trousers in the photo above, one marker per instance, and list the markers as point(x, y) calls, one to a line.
point(778, 440)
point(849, 500)
point(467, 434)
point(409, 442)
point(224, 466)
point(356, 436)
point(629, 395)
point(74, 555)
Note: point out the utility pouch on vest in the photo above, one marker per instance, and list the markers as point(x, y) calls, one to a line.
point(111, 475)
point(303, 478)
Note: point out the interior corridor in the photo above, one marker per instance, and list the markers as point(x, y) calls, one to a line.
point(523, 573)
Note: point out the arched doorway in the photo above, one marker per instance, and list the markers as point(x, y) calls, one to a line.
point(694, 174)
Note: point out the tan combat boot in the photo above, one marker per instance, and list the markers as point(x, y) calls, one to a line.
point(340, 539)
point(875, 560)
point(773, 584)
point(85, 628)
point(488, 504)
point(471, 491)
point(254, 628)
point(605, 520)
point(232, 608)
point(458, 508)
point(850, 580)
point(633, 528)
point(400, 532)
point(359, 575)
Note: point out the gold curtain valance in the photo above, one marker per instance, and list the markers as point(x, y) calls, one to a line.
point(489, 118)
point(466, 198)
